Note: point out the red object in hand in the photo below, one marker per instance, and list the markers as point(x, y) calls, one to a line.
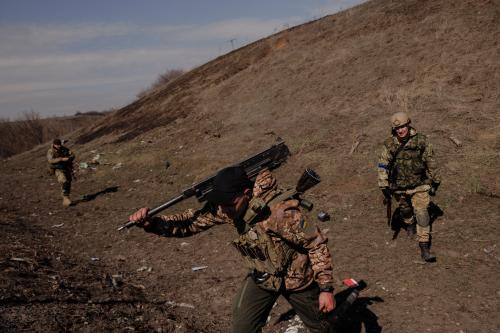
point(350, 283)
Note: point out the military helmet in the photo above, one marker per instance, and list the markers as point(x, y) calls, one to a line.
point(400, 119)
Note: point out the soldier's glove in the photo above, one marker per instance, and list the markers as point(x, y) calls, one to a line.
point(433, 189)
point(387, 193)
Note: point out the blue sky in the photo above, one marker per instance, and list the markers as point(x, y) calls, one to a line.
point(58, 57)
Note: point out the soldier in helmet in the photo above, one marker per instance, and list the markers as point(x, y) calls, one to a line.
point(60, 161)
point(284, 256)
point(407, 170)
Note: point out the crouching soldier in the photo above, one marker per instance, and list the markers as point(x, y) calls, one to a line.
point(60, 161)
point(407, 170)
point(284, 256)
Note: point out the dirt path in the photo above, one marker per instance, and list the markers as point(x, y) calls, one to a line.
point(69, 269)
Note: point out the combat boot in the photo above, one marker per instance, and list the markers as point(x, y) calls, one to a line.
point(425, 252)
point(66, 201)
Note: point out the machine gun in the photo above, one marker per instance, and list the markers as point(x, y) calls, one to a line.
point(270, 158)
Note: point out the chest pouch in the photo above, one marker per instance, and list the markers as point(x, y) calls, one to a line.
point(266, 258)
point(266, 261)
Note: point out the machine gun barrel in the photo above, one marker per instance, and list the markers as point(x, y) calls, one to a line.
point(270, 158)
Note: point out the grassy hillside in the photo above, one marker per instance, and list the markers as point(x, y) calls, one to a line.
point(326, 83)
point(327, 88)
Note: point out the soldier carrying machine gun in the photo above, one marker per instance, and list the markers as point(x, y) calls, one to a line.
point(284, 254)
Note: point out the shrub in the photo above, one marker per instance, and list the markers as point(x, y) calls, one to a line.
point(162, 79)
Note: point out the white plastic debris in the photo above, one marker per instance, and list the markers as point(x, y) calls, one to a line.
point(198, 268)
point(381, 286)
point(57, 225)
point(489, 249)
point(182, 305)
point(145, 268)
point(295, 325)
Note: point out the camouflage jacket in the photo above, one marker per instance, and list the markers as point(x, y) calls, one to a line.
point(310, 260)
point(413, 165)
point(55, 156)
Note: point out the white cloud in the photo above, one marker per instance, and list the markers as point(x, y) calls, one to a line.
point(97, 59)
point(17, 39)
point(40, 63)
point(26, 38)
point(16, 91)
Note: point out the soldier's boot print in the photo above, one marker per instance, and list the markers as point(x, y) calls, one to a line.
point(66, 201)
point(425, 252)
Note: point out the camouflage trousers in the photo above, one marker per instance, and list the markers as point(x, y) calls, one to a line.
point(414, 206)
point(64, 179)
point(253, 304)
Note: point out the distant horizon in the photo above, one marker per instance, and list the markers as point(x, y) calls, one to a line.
point(63, 57)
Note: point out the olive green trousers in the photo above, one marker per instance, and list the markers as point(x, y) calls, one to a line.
point(64, 179)
point(253, 304)
point(418, 203)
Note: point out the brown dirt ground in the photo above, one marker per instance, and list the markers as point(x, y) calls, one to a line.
point(320, 86)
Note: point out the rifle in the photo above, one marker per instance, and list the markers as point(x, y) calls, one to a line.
point(72, 170)
point(270, 158)
point(388, 201)
point(391, 178)
point(421, 188)
point(388, 207)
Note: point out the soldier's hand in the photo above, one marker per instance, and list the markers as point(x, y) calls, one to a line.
point(140, 218)
point(65, 159)
point(326, 301)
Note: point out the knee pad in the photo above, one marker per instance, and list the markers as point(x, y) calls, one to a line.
point(406, 212)
point(422, 217)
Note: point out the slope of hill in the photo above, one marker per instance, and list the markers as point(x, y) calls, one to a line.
point(327, 88)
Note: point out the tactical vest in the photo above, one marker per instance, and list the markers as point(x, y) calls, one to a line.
point(409, 169)
point(267, 262)
point(58, 153)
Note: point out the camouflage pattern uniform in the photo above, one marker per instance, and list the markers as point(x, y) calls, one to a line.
point(62, 170)
point(284, 256)
point(413, 166)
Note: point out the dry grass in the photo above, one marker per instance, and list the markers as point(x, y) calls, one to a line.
point(162, 79)
point(30, 130)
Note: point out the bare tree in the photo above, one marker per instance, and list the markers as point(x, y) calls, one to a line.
point(162, 79)
point(29, 130)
